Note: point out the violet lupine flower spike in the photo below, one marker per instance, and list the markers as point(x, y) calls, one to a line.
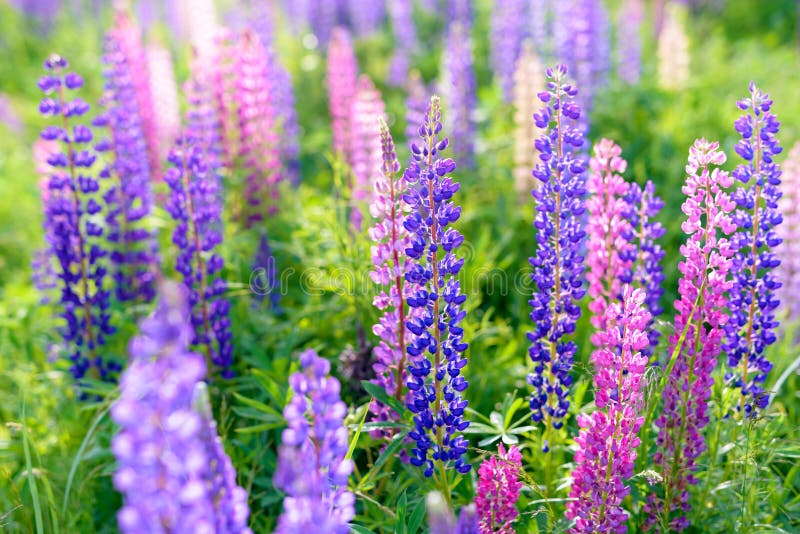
point(508, 27)
point(753, 300)
point(72, 223)
point(629, 40)
point(391, 266)
point(788, 272)
point(342, 71)
point(609, 250)
point(416, 104)
point(129, 201)
point(173, 472)
point(436, 401)
point(558, 263)
point(312, 469)
point(498, 491)
point(642, 207)
point(608, 438)
point(195, 205)
point(459, 86)
point(367, 109)
point(401, 14)
point(701, 313)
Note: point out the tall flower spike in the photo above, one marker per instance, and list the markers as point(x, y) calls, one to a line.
point(73, 224)
point(788, 272)
point(528, 82)
point(391, 265)
point(367, 109)
point(341, 79)
point(283, 101)
point(629, 40)
point(312, 469)
point(700, 311)
point(673, 49)
point(498, 491)
point(366, 16)
point(753, 301)
point(43, 264)
point(401, 14)
point(508, 29)
point(609, 250)
point(458, 87)
point(608, 438)
point(129, 200)
point(642, 207)
point(195, 205)
point(173, 472)
point(416, 104)
point(165, 97)
point(558, 263)
point(436, 401)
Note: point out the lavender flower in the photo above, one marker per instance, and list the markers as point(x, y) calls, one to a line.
point(508, 30)
point(753, 300)
point(437, 404)
point(608, 438)
point(312, 468)
point(629, 40)
point(405, 35)
point(459, 87)
point(172, 469)
point(541, 15)
point(282, 95)
point(700, 312)
point(129, 200)
point(73, 224)
point(416, 104)
point(788, 272)
point(367, 109)
point(558, 263)
point(265, 275)
point(195, 205)
point(366, 16)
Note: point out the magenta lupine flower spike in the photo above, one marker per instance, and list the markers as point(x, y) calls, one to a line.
point(609, 250)
point(172, 472)
point(164, 91)
point(367, 109)
point(608, 438)
point(390, 239)
point(342, 71)
point(753, 300)
point(312, 468)
point(788, 272)
point(704, 280)
point(498, 491)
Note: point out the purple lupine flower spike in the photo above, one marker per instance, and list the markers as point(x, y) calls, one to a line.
point(608, 438)
point(436, 345)
point(75, 238)
point(509, 21)
point(195, 204)
point(172, 471)
point(458, 88)
point(129, 201)
point(629, 40)
point(405, 35)
point(753, 301)
point(416, 104)
point(342, 71)
point(312, 469)
point(788, 272)
point(707, 259)
point(558, 263)
point(366, 16)
point(367, 109)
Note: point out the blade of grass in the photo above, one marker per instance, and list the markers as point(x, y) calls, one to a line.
point(78, 457)
point(37, 507)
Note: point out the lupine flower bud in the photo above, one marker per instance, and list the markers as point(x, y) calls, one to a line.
point(341, 78)
point(753, 301)
point(608, 438)
point(367, 109)
point(508, 30)
point(458, 88)
point(673, 49)
point(316, 499)
point(172, 471)
point(528, 82)
point(704, 282)
point(498, 491)
point(72, 223)
point(788, 272)
point(436, 345)
point(558, 263)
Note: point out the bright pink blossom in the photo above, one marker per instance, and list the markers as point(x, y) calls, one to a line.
point(342, 71)
point(498, 491)
point(365, 157)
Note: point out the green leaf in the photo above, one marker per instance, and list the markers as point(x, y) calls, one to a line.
point(380, 394)
point(260, 406)
point(354, 441)
point(417, 516)
point(360, 530)
point(400, 524)
point(395, 445)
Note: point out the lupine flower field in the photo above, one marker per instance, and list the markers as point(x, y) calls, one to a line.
point(399, 266)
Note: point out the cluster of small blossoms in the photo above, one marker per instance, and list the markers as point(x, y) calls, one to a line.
point(416, 104)
point(221, 68)
point(129, 200)
point(609, 253)
point(498, 491)
point(436, 402)
point(365, 155)
point(401, 14)
point(673, 49)
point(312, 468)
point(459, 91)
point(172, 471)
point(342, 71)
point(629, 40)
point(701, 314)
point(43, 270)
point(528, 82)
point(608, 440)
point(558, 263)
point(642, 206)
point(788, 272)
point(164, 91)
point(73, 223)
point(753, 301)
point(508, 30)
point(390, 240)
point(195, 205)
